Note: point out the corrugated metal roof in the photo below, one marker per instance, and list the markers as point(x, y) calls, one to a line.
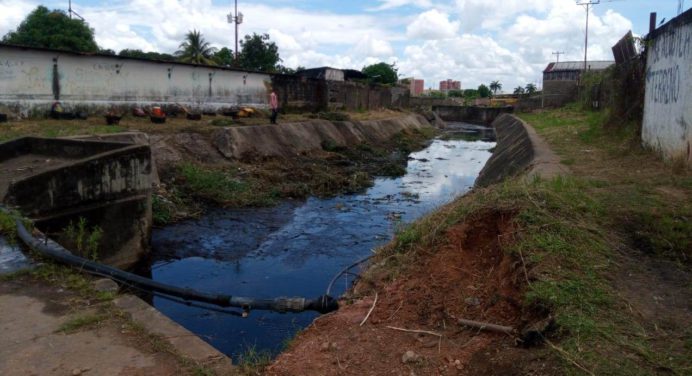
point(577, 65)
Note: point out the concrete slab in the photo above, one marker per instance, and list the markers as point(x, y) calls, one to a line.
point(31, 343)
point(185, 342)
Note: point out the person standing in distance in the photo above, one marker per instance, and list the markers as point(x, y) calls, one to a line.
point(274, 104)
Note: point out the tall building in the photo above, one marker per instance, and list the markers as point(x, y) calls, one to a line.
point(449, 84)
point(416, 86)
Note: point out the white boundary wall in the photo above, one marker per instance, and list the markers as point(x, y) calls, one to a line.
point(32, 79)
point(667, 124)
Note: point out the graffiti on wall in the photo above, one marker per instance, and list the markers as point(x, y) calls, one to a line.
point(8, 68)
point(663, 78)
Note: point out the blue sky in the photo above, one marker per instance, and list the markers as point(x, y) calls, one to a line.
point(474, 41)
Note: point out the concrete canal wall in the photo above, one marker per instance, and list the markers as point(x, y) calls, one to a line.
point(56, 182)
point(667, 123)
point(471, 114)
point(519, 149)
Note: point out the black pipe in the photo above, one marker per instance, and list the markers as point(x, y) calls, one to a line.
point(322, 304)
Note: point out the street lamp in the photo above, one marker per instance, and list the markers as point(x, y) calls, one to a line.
point(235, 18)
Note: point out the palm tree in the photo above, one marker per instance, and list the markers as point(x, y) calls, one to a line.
point(195, 49)
point(519, 90)
point(531, 88)
point(495, 86)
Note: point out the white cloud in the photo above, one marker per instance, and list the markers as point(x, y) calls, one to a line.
point(462, 59)
point(432, 24)
point(390, 4)
point(494, 14)
point(12, 13)
point(373, 47)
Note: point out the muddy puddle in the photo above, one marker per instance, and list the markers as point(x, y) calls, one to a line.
point(295, 248)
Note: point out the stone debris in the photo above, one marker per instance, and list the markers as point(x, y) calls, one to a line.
point(410, 357)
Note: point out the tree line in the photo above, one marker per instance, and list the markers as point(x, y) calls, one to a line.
point(54, 29)
point(483, 91)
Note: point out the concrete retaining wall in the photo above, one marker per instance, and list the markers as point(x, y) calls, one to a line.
point(519, 149)
point(106, 183)
point(290, 139)
point(471, 114)
point(31, 79)
point(667, 123)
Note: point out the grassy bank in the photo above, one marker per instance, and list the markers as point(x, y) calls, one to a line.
point(604, 252)
point(191, 186)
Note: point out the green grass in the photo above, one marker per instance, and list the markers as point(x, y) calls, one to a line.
point(80, 322)
point(253, 362)
point(221, 186)
point(7, 226)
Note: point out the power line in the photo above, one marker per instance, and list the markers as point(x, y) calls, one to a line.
point(558, 53)
point(588, 4)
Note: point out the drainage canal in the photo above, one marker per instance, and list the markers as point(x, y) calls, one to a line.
point(294, 249)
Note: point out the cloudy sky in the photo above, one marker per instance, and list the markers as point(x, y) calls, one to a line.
point(474, 41)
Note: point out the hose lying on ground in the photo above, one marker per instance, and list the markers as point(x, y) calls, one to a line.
point(322, 304)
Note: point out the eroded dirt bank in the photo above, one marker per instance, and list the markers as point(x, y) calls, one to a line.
point(413, 326)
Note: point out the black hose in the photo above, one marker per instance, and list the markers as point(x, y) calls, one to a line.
point(344, 271)
point(322, 304)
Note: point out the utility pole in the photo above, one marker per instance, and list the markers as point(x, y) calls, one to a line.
point(588, 4)
point(235, 18)
point(71, 12)
point(558, 53)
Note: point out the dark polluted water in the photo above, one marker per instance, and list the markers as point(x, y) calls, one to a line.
point(294, 249)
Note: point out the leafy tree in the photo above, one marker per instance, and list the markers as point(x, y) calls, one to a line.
point(195, 49)
point(470, 93)
point(483, 91)
point(258, 53)
point(223, 57)
point(495, 86)
point(519, 90)
point(146, 55)
point(455, 93)
point(53, 29)
point(382, 73)
point(107, 51)
point(531, 88)
point(286, 70)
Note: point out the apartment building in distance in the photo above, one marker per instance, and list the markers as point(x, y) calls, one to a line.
point(416, 86)
point(449, 84)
